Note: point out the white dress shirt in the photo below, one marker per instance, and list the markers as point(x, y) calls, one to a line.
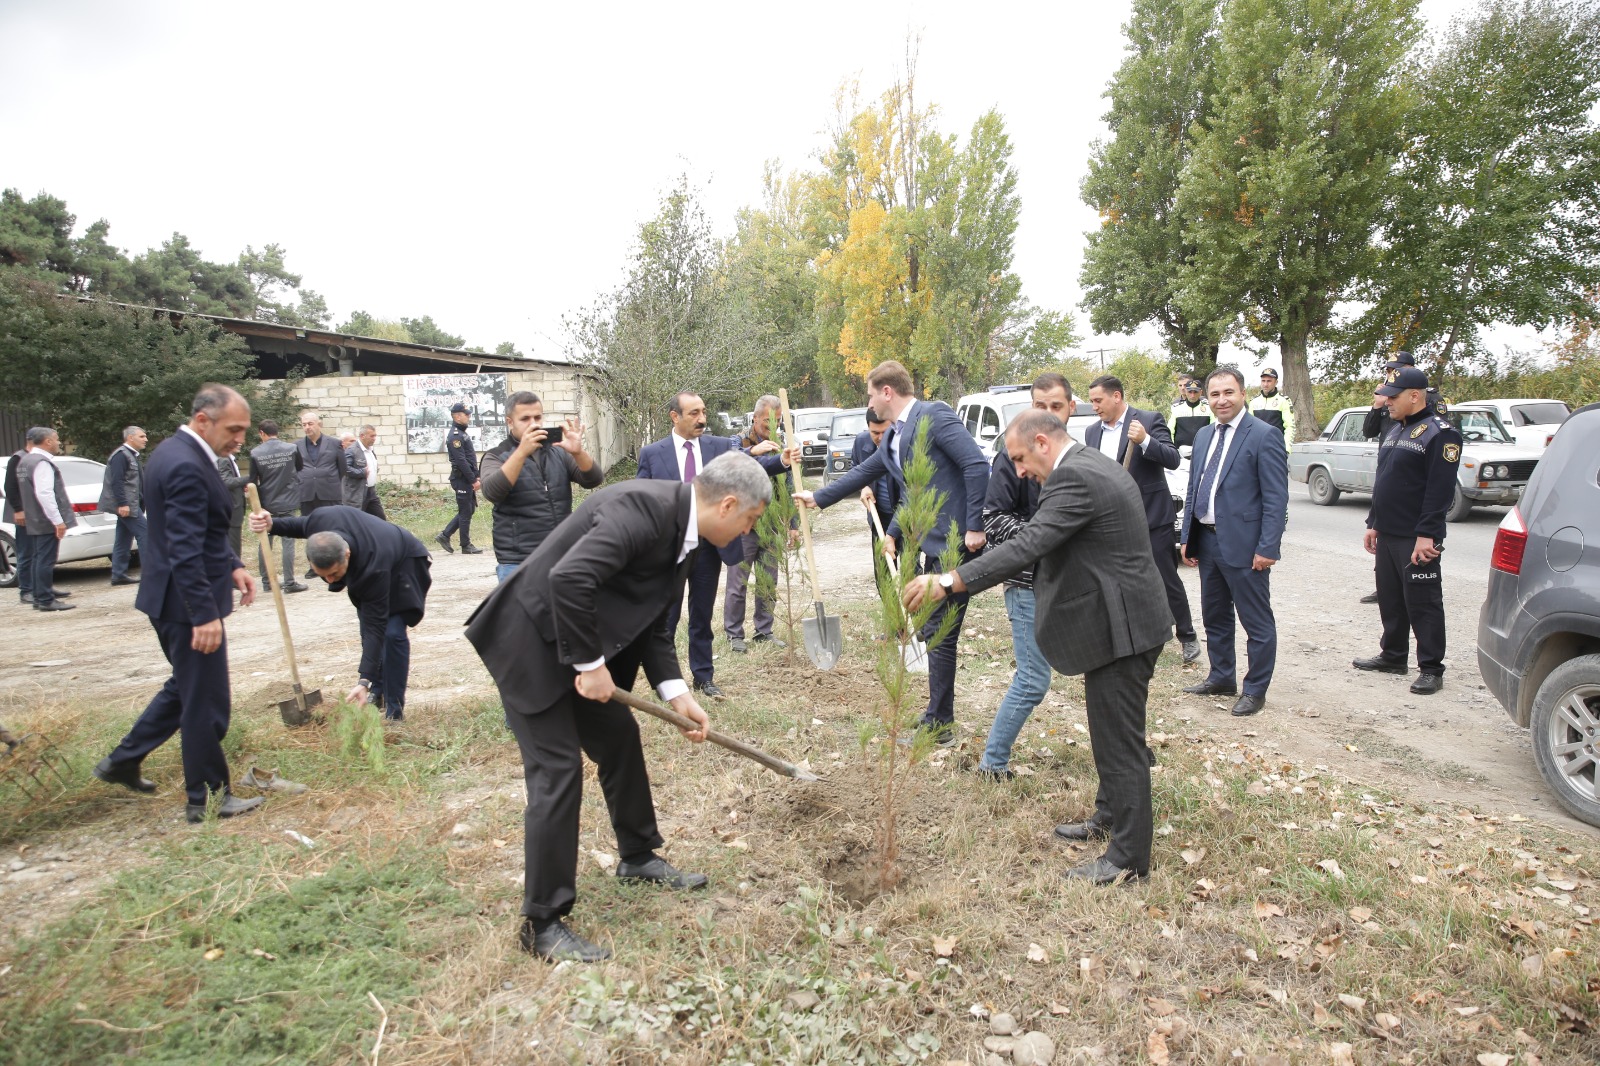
point(671, 689)
point(1111, 434)
point(1233, 432)
point(185, 428)
point(677, 452)
point(372, 464)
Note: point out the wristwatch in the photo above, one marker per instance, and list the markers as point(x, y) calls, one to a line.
point(947, 582)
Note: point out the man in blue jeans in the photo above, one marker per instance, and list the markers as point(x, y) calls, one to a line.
point(1010, 502)
point(122, 494)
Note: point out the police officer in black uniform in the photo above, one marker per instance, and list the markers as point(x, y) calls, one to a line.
point(1372, 427)
point(463, 479)
point(1416, 479)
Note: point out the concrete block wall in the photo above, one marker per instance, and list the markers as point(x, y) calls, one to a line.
point(379, 400)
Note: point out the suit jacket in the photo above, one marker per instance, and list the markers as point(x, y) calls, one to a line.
point(234, 482)
point(321, 469)
point(959, 471)
point(1149, 465)
point(353, 479)
point(1252, 502)
point(883, 492)
point(659, 461)
point(187, 562)
point(388, 573)
point(601, 584)
point(1098, 594)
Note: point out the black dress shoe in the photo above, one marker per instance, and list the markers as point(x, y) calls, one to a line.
point(125, 774)
point(1248, 705)
point(55, 606)
point(556, 943)
point(124, 580)
point(768, 638)
point(295, 586)
point(1378, 664)
point(27, 599)
point(1427, 684)
point(232, 807)
point(311, 574)
point(661, 872)
point(444, 542)
point(471, 549)
point(1191, 651)
point(58, 594)
point(1103, 871)
point(1371, 597)
point(1207, 688)
point(1083, 831)
point(709, 688)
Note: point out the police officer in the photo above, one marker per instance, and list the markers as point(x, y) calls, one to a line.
point(463, 479)
point(1189, 412)
point(1372, 426)
point(1415, 482)
point(1271, 399)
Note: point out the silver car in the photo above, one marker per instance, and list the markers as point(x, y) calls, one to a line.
point(1494, 468)
point(1539, 629)
point(91, 538)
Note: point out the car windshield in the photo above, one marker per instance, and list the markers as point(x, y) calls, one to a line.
point(846, 427)
point(1551, 413)
point(78, 474)
point(1479, 426)
point(1012, 410)
point(814, 421)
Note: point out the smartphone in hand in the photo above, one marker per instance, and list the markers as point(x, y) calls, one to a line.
point(552, 434)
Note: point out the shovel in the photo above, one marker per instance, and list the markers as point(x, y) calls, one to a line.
point(823, 637)
point(749, 751)
point(295, 712)
point(915, 654)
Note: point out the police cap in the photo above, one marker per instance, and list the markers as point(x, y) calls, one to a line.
point(1408, 377)
point(460, 409)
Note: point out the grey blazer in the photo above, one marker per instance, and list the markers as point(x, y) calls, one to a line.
point(1098, 593)
point(353, 481)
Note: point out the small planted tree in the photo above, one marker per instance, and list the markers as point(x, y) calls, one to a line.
point(775, 530)
point(918, 514)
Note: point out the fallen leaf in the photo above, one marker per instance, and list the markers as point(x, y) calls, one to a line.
point(497, 842)
point(944, 946)
point(1360, 915)
point(1466, 1012)
point(1320, 1015)
point(1355, 1003)
point(1386, 1020)
point(1330, 946)
point(1036, 953)
point(269, 956)
point(213, 954)
point(1155, 1049)
point(1331, 866)
point(1342, 1054)
point(978, 1010)
point(1493, 1058)
point(1278, 995)
point(1268, 910)
point(1192, 855)
point(1533, 965)
point(1059, 1009)
point(1161, 1008)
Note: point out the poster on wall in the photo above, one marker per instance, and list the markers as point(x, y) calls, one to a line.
point(429, 398)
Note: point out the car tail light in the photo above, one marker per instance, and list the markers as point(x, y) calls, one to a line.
point(85, 508)
point(1510, 541)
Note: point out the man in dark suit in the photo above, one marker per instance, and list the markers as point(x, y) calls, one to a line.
point(961, 473)
point(1233, 519)
point(234, 482)
point(572, 625)
point(190, 574)
point(680, 456)
point(1099, 594)
point(385, 571)
point(122, 494)
point(878, 496)
point(1139, 440)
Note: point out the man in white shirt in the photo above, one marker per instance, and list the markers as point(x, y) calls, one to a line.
point(370, 503)
point(48, 510)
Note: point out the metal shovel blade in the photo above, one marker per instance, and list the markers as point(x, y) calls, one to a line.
point(298, 710)
point(824, 639)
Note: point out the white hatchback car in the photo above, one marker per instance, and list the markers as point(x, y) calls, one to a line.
point(95, 532)
point(1531, 423)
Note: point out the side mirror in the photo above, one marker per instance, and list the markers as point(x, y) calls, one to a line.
point(823, 435)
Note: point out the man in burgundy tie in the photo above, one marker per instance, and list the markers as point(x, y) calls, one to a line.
point(678, 457)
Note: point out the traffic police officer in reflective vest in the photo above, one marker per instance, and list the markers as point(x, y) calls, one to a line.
point(463, 479)
point(1416, 480)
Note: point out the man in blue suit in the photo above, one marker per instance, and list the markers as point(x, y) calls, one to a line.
point(679, 456)
point(1233, 519)
point(190, 573)
point(961, 473)
point(878, 496)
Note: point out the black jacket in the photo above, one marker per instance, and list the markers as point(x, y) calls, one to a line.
point(1148, 465)
point(275, 468)
point(600, 585)
point(526, 512)
point(463, 458)
point(388, 573)
point(321, 469)
point(1011, 501)
point(186, 559)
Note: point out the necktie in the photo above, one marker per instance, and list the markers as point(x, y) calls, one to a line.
point(1202, 505)
point(688, 461)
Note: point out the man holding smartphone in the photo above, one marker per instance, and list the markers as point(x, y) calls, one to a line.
point(528, 478)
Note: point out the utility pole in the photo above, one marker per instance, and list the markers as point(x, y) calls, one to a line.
point(1101, 352)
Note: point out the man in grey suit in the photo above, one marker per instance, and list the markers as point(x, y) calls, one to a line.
point(1103, 613)
point(353, 480)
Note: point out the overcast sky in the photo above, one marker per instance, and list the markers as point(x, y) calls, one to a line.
point(488, 163)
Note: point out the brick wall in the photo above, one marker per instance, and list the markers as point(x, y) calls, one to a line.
point(379, 400)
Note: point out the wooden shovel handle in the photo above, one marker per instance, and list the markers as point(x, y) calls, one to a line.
point(795, 480)
point(253, 498)
point(666, 714)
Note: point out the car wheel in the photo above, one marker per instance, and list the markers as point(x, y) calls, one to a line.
point(8, 573)
point(1321, 487)
point(1565, 727)
point(1460, 506)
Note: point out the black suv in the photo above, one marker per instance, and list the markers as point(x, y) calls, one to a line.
point(1539, 630)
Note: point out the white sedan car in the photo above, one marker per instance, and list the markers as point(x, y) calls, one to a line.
point(91, 538)
point(1533, 423)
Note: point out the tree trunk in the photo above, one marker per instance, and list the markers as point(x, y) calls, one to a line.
point(1297, 381)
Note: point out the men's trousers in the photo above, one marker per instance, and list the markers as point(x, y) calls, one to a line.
point(287, 549)
point(1410, 600)
point(466, 504)
point(1115, 696)
point(1164, 546)
point(372, 505)
point(942, 657)
point(553, 744)
point(43, 548)
point(394, 668)
point(1224, 589)
point(705, 570)
point(734, 596)
point(195, 704)
point(130, 532)
point(1028, 685)
point(24, 564)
